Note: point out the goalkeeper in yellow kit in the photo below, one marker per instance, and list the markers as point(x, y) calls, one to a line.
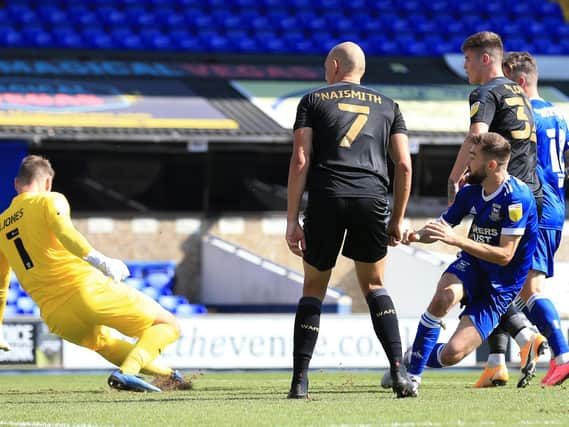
point(79, 290)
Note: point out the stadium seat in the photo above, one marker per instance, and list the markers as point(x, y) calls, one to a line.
point(12, 296)
point(135, 282)
point(159, 280)
point(169, 302)
point(52, 15)
point(25, 305)
point(151, 292)
point(271, 26)
point(185, 310)
point(11, 311)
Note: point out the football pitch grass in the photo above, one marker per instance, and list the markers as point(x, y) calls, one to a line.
point(340, 398)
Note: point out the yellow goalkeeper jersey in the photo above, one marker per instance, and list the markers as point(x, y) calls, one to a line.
point(39, 242)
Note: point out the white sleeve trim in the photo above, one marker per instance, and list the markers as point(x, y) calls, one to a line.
point(513, 231)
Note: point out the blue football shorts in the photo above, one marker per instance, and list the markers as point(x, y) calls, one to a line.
point(548, 241)
point(485, 300)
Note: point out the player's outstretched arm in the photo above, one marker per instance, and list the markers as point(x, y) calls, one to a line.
point(77, 244)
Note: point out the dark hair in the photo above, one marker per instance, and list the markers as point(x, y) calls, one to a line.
point(493, 145)
point(517, 63)
point(485, 42)
point(33, 167)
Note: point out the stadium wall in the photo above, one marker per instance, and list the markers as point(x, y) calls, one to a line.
point(265, 342)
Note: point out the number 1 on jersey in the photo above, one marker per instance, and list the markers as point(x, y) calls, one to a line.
point(358, 124)
point(25, 257)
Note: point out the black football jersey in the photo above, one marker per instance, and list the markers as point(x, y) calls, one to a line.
point(351, 127)
point(503, 105)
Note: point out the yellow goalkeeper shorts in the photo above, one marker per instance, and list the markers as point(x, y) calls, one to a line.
point(107, 303)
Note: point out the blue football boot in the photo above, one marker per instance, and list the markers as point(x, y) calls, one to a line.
point(126, 382)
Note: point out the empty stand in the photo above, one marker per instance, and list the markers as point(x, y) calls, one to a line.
point(384, 27)
point(155, 279)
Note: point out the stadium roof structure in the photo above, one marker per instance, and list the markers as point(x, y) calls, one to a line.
point(199, 100)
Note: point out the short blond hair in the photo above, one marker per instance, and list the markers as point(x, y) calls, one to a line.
point(34, 167)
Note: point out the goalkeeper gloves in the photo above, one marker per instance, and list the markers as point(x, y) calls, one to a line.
point(4, 346)
point(111, 267)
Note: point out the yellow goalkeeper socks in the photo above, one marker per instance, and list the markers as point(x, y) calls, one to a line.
point(148, 347)
point(116, 351)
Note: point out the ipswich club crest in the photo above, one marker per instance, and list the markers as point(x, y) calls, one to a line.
point(495, 212)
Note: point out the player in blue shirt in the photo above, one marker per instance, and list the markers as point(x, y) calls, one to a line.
point(500, 105)
point(494, 260)
point(552, 147)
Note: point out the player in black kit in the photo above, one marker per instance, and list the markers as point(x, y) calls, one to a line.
point(497, 105)
point(500, 105)
point(343, 134)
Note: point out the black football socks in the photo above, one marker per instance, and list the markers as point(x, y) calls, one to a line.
point(306, 327)
point(386, 325)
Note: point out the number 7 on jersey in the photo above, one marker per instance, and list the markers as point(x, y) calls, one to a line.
point(362, 112)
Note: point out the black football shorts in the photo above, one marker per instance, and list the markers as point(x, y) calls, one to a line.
point(363, 221)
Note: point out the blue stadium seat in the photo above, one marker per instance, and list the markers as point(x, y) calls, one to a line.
point(553, 49)
point(25, 305)
point(196, 20)
point(410, 6)
point(23, 15)
point(11, 311)
point(170, 19)
point(186, 310)
point(515, 43)
point(274, 46)
point(188, 42)
point(561, 32)
point(159, 280)
point(140, 19)
point(151, 292)
point(38, 37)
point(546, 8)
point(154, 39)
point(218, 25)
point(135, 282)
point(114, 18)
point(13, 295)
point(52, 15)
point(463, 8)
point(121, 34)
point(519, 8)
point(260, 23)
point(136, 268)
point(83, 16)
point(5, 17)
point(169, 302)
point(363, 23)
point(389, 47)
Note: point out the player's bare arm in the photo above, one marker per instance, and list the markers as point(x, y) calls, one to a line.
point(298, 172)
point(501, 254)
point(399, 153)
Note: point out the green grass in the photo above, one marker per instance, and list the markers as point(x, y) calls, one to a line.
point(258, 399)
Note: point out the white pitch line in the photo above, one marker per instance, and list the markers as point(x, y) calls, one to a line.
point(447, 424)
point(38, 424)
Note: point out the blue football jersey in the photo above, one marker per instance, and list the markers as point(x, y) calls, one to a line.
point(552, 141)
point(510, 210)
